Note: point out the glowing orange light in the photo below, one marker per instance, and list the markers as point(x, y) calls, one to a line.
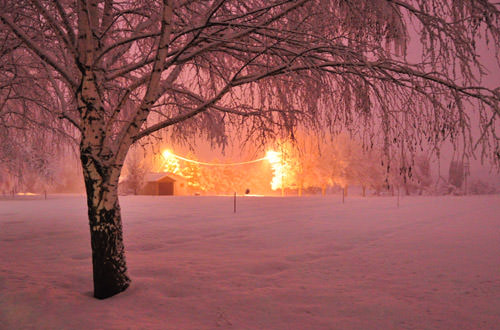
point(171, 163)
point(278, 165)
point(273, 156)
point(279, 168)
point(166, 154)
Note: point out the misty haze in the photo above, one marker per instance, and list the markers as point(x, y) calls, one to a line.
point(281, 164)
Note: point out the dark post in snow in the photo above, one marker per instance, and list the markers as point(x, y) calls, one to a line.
point(398, 197)
point(234, 202)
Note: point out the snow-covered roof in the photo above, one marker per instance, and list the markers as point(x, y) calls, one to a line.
point(152, 177)
point(149, 177)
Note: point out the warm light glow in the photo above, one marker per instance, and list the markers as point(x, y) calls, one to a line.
point(167, 154)
point(171, 163)
point(279, 168)
point(273, 156)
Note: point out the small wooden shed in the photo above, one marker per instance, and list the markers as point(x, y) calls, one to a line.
point(164, 184)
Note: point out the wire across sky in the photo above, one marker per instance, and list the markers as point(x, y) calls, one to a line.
point(268, 156)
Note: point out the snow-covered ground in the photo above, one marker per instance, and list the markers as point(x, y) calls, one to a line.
point(278, 263)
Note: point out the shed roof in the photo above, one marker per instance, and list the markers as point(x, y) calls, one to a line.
point(154, 177)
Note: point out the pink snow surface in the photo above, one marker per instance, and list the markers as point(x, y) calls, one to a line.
point(278, 263)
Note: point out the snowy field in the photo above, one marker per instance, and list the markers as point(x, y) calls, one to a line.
point(278, 263)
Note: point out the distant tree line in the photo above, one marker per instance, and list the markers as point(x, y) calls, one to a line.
point(312, 164)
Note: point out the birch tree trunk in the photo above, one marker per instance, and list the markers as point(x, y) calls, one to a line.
point(101, 172)
point(106, 234)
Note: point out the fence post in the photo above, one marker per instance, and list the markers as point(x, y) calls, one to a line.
point(398, 196)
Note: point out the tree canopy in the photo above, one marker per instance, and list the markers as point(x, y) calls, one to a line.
point(200, 66)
